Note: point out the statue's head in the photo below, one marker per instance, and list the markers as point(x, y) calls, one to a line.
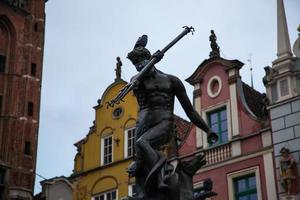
point(284, 151)
point(140, 55)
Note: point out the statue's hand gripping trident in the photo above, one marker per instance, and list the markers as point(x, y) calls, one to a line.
point(154, 59)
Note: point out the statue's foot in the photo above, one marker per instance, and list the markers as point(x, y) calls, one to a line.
point(162, 186)
point(134, 168)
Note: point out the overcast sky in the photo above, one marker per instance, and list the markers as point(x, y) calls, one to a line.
point(83, 39)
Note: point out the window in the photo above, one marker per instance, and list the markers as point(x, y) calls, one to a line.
point(131, 190)
point(33, 69)
point(111, 195)
point(129, 142)
point(2, 63)
point(274, 93)
point(30, 109)
point(284, 87)
point(245, 188)
point(27, 148)
point(35, 27)
point(218, 122)
point(117, 113)
point(107, 150)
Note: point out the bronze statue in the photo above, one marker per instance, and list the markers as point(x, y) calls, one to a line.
point(118, 69)
point(214, 46)
point(155, 93)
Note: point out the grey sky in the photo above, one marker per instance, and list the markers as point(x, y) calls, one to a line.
point(83, 39)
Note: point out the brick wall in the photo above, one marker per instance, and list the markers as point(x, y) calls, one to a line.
point(23, 30)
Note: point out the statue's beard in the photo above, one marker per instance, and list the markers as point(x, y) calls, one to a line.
point(139, 66)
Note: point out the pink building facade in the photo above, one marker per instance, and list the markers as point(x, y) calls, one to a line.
point(241, 163)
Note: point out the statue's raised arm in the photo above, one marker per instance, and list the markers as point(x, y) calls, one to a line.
point(156, 57)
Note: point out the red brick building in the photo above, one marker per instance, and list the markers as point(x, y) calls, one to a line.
point(241, 163)
point(22, 25)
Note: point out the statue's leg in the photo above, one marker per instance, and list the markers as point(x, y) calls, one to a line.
point(151, 140)
point(154, 160)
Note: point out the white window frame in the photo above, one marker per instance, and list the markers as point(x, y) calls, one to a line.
point(102, 149)
point(286, 80)
point(105, 194)
point(244, 172)
point(126, 142)
point(281, 98)
point(229, 123)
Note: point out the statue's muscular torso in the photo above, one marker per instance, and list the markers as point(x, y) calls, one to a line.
point(155, 96)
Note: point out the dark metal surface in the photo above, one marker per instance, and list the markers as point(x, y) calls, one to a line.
point(126, 89)
point(155, 91)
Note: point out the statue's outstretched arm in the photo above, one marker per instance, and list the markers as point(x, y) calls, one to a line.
point(192, 114)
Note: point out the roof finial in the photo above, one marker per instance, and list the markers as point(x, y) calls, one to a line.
point(214, 46)
point(251, 69)
point(118, 69)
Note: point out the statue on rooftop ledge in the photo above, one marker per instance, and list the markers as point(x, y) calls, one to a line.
point(214, 46)
point(118, 69)
point(156, 179)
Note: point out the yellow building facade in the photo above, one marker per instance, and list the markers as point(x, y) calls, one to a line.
point(107, 150)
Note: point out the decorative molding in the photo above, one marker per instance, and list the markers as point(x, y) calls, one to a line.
point(197, 93)
point(234, 110)
point(237, 159)
point(270, 176)
point(233, 79)
point(244, 172)
point(102, 178)
point(210, 93)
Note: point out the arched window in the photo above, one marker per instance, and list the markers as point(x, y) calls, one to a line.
point(7, 43)
point(4, 44)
